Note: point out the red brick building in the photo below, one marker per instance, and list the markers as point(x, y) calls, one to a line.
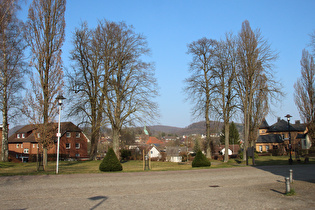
point(23, 145)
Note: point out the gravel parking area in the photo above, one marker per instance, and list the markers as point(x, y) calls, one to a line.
point(229, 188)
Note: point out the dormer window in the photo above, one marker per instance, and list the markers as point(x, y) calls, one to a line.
point(18, 136)
point(23, 135)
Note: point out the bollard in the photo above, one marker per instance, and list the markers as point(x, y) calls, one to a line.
point(287, 185)
point(291, 176)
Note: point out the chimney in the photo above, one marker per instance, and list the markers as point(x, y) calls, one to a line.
point(297, 122)
point(278, 119)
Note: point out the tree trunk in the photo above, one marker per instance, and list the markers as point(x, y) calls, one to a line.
point(4, 148)
point(208, 150)
point(116, 141)
point(227, 136)
point(45, 159)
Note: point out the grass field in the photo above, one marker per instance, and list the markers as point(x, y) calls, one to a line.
point(72, 167)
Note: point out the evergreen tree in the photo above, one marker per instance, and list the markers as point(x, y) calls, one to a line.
point(233, 134)
point(110, 162)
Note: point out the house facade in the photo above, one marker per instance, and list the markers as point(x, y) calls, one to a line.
point(276, 136)
point(24, 143)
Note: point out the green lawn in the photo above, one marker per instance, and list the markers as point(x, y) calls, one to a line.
point(71, 167)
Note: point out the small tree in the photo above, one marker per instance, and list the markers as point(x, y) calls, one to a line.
point(110, 162)
point(234, 136)
point(201, 160)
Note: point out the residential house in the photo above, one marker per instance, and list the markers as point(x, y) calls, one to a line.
point(276, 136)
point(24, 146)
point(173, 154)
point(154, 152)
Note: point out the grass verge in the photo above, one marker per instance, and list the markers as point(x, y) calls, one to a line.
point(83, 167)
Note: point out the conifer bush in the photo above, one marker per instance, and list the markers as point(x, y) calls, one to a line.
point(110, 162)
point(201, 160)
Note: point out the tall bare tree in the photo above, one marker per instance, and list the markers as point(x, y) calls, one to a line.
point(116, 85)
point(45, 32)
point(131, 82)
point(87, 79)
point(254, 73)
point(11, 64)
point(200, 85)
point(304, 94)
point(225, 88)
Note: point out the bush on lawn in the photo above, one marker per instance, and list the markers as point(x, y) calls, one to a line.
point(200, 160)
point(110, 162)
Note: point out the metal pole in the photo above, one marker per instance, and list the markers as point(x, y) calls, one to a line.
point(287, 185)
point(58, 134)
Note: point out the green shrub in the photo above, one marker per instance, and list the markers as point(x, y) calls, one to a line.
point(125, 154)
point(110, 162)
point(200, 160)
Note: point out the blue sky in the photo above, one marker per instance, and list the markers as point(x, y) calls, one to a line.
point(169, 25)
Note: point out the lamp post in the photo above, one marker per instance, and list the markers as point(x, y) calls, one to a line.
point(290, 146)
point(60, 98)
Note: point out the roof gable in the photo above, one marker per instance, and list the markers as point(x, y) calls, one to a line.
point(264, 124)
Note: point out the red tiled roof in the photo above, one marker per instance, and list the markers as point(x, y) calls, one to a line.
point(154, 140)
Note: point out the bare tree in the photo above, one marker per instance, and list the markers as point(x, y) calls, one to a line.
point(200, 85)
point(87, 79)
point(304, 94)
point(225, 79)
point(131, 82)
point(44, 32)
point(255, 62)
point(11, 64)
point(115, 84)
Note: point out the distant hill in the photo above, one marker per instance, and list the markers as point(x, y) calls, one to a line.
point(194, 128)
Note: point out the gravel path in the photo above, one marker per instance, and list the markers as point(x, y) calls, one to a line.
point(230, 188)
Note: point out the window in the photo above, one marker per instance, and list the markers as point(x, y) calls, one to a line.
point(26, 151)
point(77, 155)
point(77, 145)
point(267, 148)
point(17, 145)
point(38, 135)
point(18, 136)
point(23, 135)
point(67, 145)
point(33, 145)
point(260, 148)
point(68, 134)
point(77, 135)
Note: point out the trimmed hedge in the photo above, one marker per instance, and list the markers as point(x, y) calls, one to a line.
point(201, 160)
point(110, 162)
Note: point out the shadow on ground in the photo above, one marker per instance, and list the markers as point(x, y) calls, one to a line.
point(301, 172)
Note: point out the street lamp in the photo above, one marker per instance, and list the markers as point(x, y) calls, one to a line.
point(60, 98)
point(290, 146)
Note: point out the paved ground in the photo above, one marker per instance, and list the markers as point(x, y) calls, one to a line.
point(230, 188)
